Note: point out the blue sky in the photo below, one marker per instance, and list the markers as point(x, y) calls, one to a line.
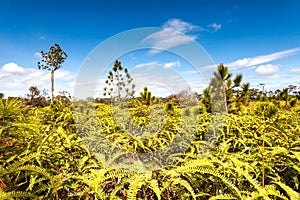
point(259, 39)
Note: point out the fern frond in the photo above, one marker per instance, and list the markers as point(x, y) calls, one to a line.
point(16, 194)
point(275, 193)
point(186, 185)
point(22, 161)
point(32, 168)
point(292, 194)
point(213, 172)
point(135, 183)
point(153, 185)
point(118, 174)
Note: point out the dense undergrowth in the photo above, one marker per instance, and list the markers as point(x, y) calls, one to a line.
point(256, 155)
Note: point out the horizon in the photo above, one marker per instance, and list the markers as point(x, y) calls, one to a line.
point(257, 39)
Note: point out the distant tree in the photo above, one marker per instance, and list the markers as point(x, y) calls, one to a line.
point(228, 87)
point(52, 61)
point(147, 97)
point(253, 93)
point(206, 100)
point(34, 92)
point(224, 76)
point(90, 99)
point(119, 81)
point(35, 98)
point(64, 97)
point(292, 88)
point(263, 87)
point(242, 97)
point(285, 96)
point(1, 95)
point(289, 101)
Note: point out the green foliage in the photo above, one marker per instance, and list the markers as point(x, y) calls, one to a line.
point(35, 98)
point(52, 61)
point(10, 110)
point(147, 97)
point(255, 156)
point(119, 79)
point(232, 93)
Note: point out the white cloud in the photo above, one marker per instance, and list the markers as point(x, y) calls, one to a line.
point(295, 70)
point(172, 64)
point(175, 32)
point(12, 68)
point(37, 55)
point(267, 69)
point(63, 74)
point(166, 39)
point(247, 62)
point(181, 26)
point(215, 26)
point(15, 79)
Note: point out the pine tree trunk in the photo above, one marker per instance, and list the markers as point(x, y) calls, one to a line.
point(225, 98)
point(52, 85)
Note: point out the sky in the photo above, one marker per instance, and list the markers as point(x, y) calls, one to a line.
point(259, 39)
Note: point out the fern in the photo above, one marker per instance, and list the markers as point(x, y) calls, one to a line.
point(21, 161)
point(32, 168)
point(185, 184)
point(194, 168)
point(16, 194)
point(135, 183)
point(292, 194)
point(153, 184)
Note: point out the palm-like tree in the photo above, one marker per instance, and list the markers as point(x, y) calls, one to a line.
point(147, 97)
point(285, 96)
point(52, 61)
point(222, 80)
point(223, 75)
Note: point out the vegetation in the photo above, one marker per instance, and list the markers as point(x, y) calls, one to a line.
point(119, 80)
point(234, 93)
point(52, 61)
point(147, 97)
point(256, 151)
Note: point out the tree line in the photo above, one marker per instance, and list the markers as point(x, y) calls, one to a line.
point(119, 84)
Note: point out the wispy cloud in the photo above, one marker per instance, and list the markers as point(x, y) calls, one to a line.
point(37, 55)
point(175, 32)
point(181, 26)
point(267, 69)
point(295, 70)
point(147, 66)
point(247, 62)
point(169, 65)
point(152, 65)
point(215, 26)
